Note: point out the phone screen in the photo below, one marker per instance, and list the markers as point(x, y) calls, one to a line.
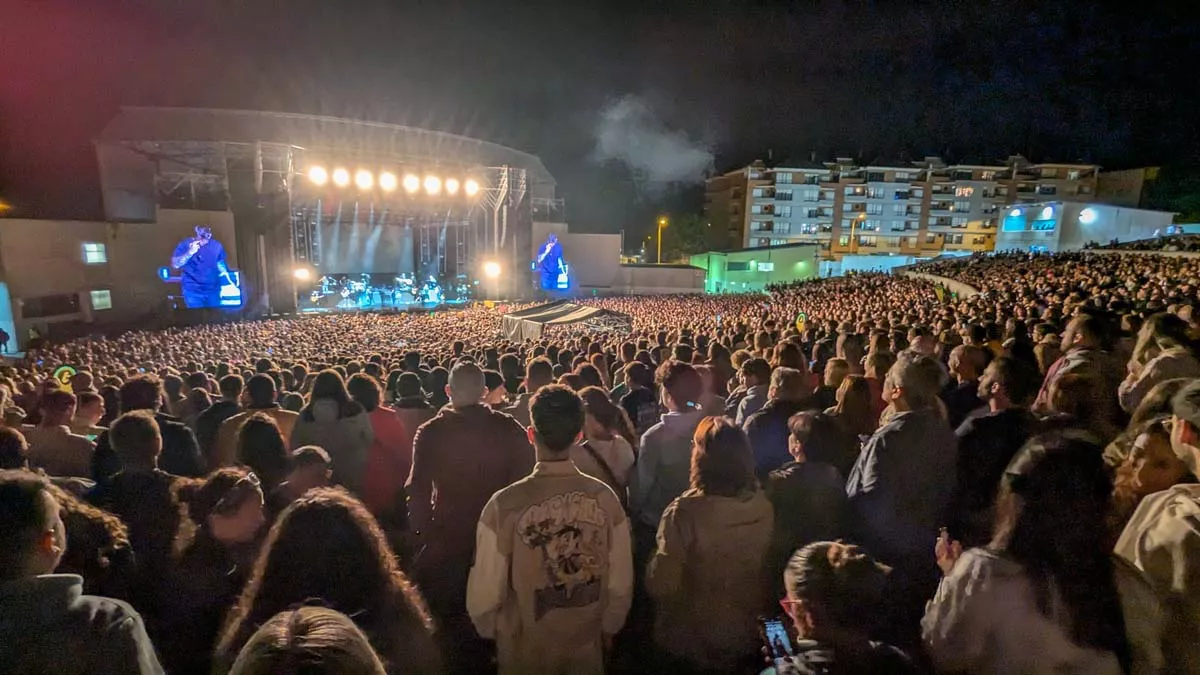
point(92, 437)
point(776, 638)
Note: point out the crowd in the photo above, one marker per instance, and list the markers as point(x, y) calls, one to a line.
point(846, 475)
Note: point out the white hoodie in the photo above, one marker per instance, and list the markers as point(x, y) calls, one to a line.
point(1163, 540)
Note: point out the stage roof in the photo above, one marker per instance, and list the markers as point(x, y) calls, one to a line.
point(314, 133)
point(528, 323)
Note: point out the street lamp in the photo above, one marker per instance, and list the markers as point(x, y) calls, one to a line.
point(662, 222)
point(853, 223)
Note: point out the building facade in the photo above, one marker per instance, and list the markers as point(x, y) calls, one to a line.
point(1055, 226)
point(919, 209)
point(753, 269)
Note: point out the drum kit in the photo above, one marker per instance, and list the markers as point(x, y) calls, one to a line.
point(349, 293)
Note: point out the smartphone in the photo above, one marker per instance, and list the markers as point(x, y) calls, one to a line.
point(92, 437)
point(775, 638)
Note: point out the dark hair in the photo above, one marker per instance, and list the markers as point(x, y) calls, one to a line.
point(94, 538)
point(722, 463)
point(557, 415)
point(23, 518)
point(590, 375)
point(260, 446)
point(330, 385)
point(819, 435)
point(143, 392)
point(598, 404)
point(365, 390)
point(758, 369)
point(310, 455)
point(14, 451)
point(682, 382)
point(136, 438)
point(843, 585)
point(231, 386)
point(85, 398)
point(353, 571)
point(1019, 381)
point(538, 371)
point(58, 400)
point(261, 390)
point(637, 373)
point(1051, 518)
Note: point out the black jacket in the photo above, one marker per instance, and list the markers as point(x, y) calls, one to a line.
point(768, 433)
point(209, 422)
point(180, 455)
point(986, 444)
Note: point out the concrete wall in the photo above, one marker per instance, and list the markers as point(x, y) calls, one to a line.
point(658, 280)
point(1070, 233)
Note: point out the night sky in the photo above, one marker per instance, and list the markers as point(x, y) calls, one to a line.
point(1114, 83)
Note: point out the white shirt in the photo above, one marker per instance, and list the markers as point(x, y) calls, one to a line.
point(616, 453)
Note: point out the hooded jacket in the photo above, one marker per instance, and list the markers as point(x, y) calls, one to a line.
point(347, 439)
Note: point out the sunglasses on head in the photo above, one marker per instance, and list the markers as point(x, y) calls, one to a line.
point(232, 499)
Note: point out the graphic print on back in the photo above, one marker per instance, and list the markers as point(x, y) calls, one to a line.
point(571, 533)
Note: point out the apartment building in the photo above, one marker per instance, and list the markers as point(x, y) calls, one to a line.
point(911, 208)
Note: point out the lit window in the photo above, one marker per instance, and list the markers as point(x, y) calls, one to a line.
point(101, 299)
point(964, 191)
point(94, 253)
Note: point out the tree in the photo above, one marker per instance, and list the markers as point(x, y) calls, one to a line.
point(686, 235)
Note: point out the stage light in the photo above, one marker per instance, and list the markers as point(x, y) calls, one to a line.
point(491, 269)
point(452, 186)
point(411, 183)
point(1015, 213)
point(387, 181)
point(433, 185)
point(302, 273)
point(341, 177)
point(318, 175)
point(1088, 216)
point(363, 179)
point(1047, 213)
point(471, 187)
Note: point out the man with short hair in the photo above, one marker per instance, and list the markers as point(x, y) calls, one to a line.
point(209, 422)
point(47, 624)
point(1163, 540)
point(767, 429)
point(260, 394)
point(180, 453)
point(553, 575)
point(539, 373)
point(309, 467)
point(89, 410)
point(52, 446)
point(464, 455)
point(904, 479)
point(756, 377)
point(1084, 345)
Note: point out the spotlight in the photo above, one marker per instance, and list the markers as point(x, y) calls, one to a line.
point(471, 187)
point(452, 186)
point(491, 269)
point(387, 181)
point(1088, 216)
point(363, 179)
point(318, 175)
point(433, 185)
point(1015, 213)
point(302, 273)
point(411, 183)
point(341, 177)
point(1047, 213)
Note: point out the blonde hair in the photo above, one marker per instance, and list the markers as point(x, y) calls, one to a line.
point(308, 640)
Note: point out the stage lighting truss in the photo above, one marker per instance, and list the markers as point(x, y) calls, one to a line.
point(414, 184)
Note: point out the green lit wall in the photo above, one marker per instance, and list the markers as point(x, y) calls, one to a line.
point(755, 269)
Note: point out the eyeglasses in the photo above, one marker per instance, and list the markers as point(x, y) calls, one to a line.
point(233, 498)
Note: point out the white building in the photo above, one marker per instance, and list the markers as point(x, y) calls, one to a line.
point(1068, 226)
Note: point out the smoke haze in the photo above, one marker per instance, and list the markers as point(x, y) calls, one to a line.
point(628, 131)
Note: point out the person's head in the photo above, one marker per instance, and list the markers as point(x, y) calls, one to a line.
point(496, 392)
point(680, 385)
point(310, 467)
point(1152, 463)
point(913, 383)
point(467, 385)
point(30, 526)
point(308, 641)
point(137, 440)
point(639, 376)
point(538, 373)
point(834, 589)
point(876, 365)
point(1051, 519)
point(814, 436)
point(58, 408)
point(836, 370)
point(231, 387)
point(14, 451)
point(603, 418)
point(756, 372)
point(82, 381)
point(352, 570)
point(1084, 331)
point(1160, 332)
point(967, 362)
point(788, 384)
point(143, 392)
point(261, 392)
point(89, 407)
point(227, 505)
point(556, 414)
point(260, 446)
point(1157, 402)
point(1006, 383)
point(366, 390)
point(722, 463)
point(1077, 395)
point(1185, 426)
point(921, 340)
point(203, 233)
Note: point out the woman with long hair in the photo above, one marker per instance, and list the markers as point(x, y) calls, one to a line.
point(854, 410)
point(308, 641)
point(1164, 350)
point(334, 421)
point(260, 446)
point(1155, 404)
point(710, 562)
point(1151, 466)
point(326, 545)
point(98, 547)
point(1047, 595)
point(607, 449)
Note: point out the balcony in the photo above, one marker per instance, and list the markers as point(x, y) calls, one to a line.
point(854, 208)
point(938, 208)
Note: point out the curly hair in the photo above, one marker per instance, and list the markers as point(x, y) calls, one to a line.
point(352, 570)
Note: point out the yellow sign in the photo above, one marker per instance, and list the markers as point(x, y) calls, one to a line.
point(63, 375)
point(801, 322)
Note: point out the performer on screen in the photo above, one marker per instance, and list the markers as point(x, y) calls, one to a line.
point(550, 262)
point(202, 261)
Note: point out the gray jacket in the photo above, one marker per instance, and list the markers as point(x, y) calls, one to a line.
point(47, 625)
point(664, 466)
